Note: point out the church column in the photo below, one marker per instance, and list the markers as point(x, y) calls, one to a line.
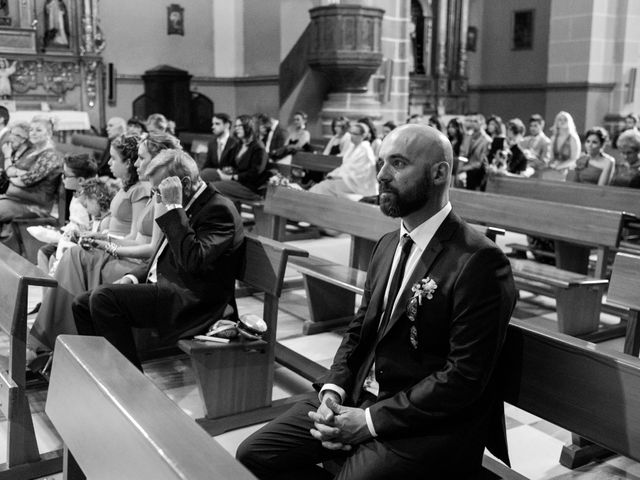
point(464, 25)
point(441, 47)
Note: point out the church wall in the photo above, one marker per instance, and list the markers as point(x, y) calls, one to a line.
point(137, 40)
point(504, 81)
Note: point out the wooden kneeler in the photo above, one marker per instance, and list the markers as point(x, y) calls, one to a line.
point(235, 380)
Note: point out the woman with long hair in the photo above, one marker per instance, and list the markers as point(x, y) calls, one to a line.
point(101, 257)
point(242, 177)
point(565, 148)
point(594, 166)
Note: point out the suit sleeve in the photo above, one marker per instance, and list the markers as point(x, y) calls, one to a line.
point(483, 299)
point(196, 249)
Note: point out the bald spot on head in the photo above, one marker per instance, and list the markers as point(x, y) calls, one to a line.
point(418, 143)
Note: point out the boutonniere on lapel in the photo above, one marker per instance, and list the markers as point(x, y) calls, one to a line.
point(425, 288)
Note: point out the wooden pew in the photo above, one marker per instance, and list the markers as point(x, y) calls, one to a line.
point(17, 274)
point(573, 384)
point(116, 424)
point(626, 200)
point(235, 380)
point(574, 293)
point(575, 229)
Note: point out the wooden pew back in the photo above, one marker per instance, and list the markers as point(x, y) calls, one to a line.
point(355, 218)
point(138, 431)
point(316, 162)
point(588, 226)
point(592, 392)
point(569, 193)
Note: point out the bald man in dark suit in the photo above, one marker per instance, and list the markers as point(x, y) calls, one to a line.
point(412, 392)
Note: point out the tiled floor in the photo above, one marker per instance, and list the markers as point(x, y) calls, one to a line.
point(534, 444)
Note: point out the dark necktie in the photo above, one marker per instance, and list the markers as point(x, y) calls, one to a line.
point(396, 281)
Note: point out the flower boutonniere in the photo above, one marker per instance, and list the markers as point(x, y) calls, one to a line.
point(425, 288)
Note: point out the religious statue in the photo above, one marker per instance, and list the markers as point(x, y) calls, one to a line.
point(56, 21)
point(6, 70)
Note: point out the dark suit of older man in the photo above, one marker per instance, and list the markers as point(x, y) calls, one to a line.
point(411, 392)
point(184, 287)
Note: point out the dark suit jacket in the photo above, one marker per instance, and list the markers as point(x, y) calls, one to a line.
point(199, 265)
point(228, 153)
point(278, 140)
point(250, 166)
point(438, 403)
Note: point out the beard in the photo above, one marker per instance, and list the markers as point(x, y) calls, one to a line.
point(395, 204)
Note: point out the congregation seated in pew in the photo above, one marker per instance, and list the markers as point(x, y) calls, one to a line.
point(100, 257)
point(189, 281)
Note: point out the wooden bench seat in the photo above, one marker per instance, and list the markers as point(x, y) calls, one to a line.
point(17, 274)
point(116, 424)
point(366, 224)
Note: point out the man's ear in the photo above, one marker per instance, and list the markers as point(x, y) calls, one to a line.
point(440, 173)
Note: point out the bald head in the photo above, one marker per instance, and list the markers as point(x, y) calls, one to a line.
point(415, 172)
point(421, 143)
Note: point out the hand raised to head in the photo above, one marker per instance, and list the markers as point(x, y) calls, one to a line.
point(171, 190)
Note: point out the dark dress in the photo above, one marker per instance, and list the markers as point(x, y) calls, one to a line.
point(250, 166)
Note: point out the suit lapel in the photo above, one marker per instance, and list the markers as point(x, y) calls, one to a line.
point(429, 256)
point(377, 296)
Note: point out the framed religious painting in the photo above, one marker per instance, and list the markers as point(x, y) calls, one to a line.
point(56, 28)
point(175, 20)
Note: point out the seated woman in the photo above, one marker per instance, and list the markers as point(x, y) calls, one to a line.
point(356, 177)
point(34, 177)
point(627, 170)
point(565, 148)
point(100, 257)
point(595, 166)
point(341, 139)
point(372, 135)
point(242, 178)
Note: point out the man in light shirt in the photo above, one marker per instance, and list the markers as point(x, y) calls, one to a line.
point(412, 391)
point(189, 281)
